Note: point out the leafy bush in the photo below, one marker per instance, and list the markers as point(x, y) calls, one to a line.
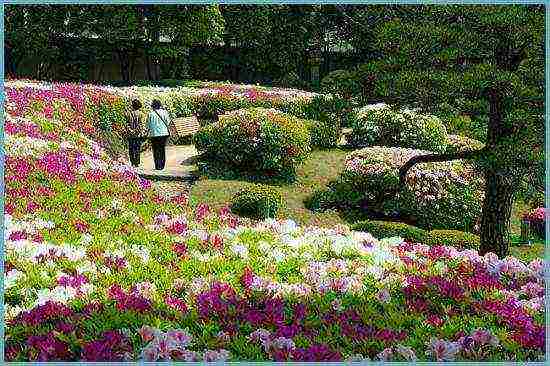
point(256, 140)
point(436, 195)
point(257, 201)
point(321, 200)
point(387, 229)
point(386, 127)
point(343, 83)
point(453, 238)
point(325, 134)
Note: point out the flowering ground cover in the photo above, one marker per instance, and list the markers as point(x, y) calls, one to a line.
point(99, 267)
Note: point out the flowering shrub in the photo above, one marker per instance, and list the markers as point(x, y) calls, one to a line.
point(537, 220)
point(98, 267)
point(258, 140)
point(436, 195)
point(257, 201)
point(459, 143)
point(386, 127)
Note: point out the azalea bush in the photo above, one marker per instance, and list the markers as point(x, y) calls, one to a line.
point(444, 195)
point(386, 127)
point(258, 140)
point(459, 143)
point(100, 267)
point(536, 219)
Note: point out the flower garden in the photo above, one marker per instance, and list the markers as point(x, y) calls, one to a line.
point(99, 266)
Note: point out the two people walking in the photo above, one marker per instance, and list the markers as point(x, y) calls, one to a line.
point(155, 127)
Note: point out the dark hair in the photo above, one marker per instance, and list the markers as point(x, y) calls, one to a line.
point(136, 104)
point(156, 104)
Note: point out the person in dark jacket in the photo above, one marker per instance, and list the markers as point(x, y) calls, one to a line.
point(158, 121)
point(136, 131)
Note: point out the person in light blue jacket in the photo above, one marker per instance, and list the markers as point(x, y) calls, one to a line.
point(158, 121)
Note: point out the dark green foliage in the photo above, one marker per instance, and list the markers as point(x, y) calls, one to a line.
point(341, 83)
point(321, 200)
point(387, 229)
point(453, 238)
point(257, 201)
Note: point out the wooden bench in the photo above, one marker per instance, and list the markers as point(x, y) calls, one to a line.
point(186, 126)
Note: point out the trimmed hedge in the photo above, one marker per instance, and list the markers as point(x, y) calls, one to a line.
point(255, 140)
point(386, 229)
point(453, 238)
point(386, 127)
point(257, 201)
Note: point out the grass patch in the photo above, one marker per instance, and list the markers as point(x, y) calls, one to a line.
point(322, 167)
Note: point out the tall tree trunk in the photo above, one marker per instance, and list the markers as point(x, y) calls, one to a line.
point(497, 210)
point(148, 64)
point(499, 189)
point(124, 65)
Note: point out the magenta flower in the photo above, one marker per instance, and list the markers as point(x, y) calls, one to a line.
point(175, 303)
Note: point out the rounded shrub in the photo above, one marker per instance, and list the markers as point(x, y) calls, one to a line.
point(446, 195)
point(453, 238)
point(255, 140)
point(387, 229)
point(257, 201)
point(383, 126)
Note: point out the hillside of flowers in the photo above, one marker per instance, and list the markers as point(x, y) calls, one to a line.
point(100, 267)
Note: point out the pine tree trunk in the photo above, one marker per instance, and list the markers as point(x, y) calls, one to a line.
point(500, 187)
point(497, 210)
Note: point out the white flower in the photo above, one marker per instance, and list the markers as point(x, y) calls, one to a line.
point(240, 250)
point(11, 278)
point(277, 255)
point(86, 267)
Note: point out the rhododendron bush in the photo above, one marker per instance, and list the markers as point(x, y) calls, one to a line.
point(99, 267)
point(446, 195)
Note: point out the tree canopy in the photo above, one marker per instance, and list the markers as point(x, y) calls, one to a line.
point(489, 56)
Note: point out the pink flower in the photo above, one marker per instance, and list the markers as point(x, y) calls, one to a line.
point(482, 337)
point(32, 206)
point(201, 211)
point(175, 303)
point(435, 320)
point(177, 227)
point(443, 350)
point(147, 333)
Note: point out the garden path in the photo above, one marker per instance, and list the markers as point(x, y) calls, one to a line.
point(180, 164)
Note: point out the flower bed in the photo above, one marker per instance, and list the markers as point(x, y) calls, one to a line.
point(100, 268)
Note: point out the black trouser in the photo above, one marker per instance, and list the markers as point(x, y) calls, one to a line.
point(134, 149)
point(159, 152)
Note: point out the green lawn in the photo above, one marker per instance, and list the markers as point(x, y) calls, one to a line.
point(322, 167)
